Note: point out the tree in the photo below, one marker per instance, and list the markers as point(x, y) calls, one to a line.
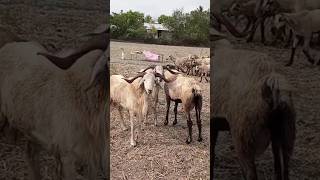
point(126, 23)
point(148, 19)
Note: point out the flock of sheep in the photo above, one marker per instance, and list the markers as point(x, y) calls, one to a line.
point(249, 98)
point(139, 94)
point(292, 20)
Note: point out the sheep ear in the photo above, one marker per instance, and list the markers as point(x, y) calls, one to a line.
point(141, 82)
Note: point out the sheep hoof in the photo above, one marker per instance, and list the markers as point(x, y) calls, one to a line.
point(133, 144)
point(188, 141)
point(165, 123)
point(124, 128)
point(288, 64)
point(200, 139)
point(174, 123)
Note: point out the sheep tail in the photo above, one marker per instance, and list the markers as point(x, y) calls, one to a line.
point(196, 91)
point(282, 122)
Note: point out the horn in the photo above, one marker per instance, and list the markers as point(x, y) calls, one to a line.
point(103, 28)
point(169, 67)
point(99, 67)
point(150, 67)
point(165, 79)
point(98, 42)
point(137, 76)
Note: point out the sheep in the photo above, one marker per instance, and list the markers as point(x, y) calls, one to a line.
point(187, 91)
point(184, 62)
point(73, 131)
point(155, 92)
point(301, 29)
point(204, 71)
point(255, 104)
point(132, 95)
point(265, 8)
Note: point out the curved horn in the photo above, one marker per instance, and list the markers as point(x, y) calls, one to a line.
point(221, 19)
point(169, 67)
point(165, 79)
point(99, 67)
point(98, 42)
point(103, 28)
point(150, 67)
point(137, 76)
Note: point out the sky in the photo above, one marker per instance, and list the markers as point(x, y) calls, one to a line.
point(155, 8)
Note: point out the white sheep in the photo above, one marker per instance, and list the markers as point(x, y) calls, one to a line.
point(59, 105)
point(132, 95)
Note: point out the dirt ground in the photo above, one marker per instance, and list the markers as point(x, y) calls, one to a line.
point(161, 152)
point(305, 161)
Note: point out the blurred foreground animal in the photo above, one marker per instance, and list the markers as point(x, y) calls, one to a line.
point(58, 103)
point(255, 104)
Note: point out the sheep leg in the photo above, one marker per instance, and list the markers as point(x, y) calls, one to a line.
point(123, 127)
point(34, 160)
point(175, 112)
point(293, 50)
point(306, 50)
point(289, 38)
point(205, 77)
point(262, 30)
point(276, 157)
point(201, 78)
point(189, 122)
point(198, 123)
point(253, 29)
point(168, 108)
point(155, 110)
point(132, 141)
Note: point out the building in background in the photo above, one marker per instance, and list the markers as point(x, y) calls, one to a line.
point(159, 30)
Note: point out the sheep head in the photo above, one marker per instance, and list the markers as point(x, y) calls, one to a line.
point(100, 69)
point(147, 81)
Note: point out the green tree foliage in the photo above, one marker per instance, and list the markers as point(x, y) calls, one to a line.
point(186, 28)
point(148, 19)
point(128, 24)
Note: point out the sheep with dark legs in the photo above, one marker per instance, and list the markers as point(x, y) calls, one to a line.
point(187, 91)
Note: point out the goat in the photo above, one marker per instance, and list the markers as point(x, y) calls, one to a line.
point(255, 104)
point(74, 131)
point(301, 29)
point(187, 91)
point(132, 95)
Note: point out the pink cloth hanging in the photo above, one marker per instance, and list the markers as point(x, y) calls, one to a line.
point(151, 56)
